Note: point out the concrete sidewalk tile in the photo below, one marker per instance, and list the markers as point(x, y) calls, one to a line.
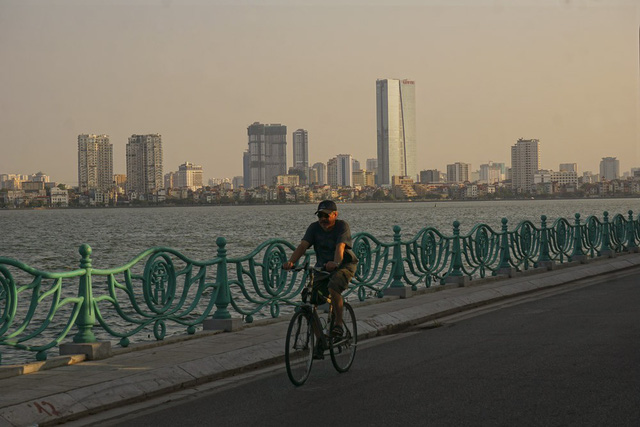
point(487, 294)
point(162, 380)
point(365, 329)
point(620, 264)
point(519, 288)
point(42, 410)
point(458, 301)
point(240, 358)
point(544, 282)
point(385, 320)
point(107, 394)
point(413, 313)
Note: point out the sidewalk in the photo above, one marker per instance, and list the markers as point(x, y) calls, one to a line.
point(50, 396)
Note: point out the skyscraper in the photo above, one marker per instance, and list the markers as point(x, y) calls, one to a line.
point(95, 162)
point(344, 170)
point(609, 168)
point(246, 169)
point(396, 122)
point(144, 164)
point(300, 149)
point(332, 172)
point(267, 153)
point(525, 161)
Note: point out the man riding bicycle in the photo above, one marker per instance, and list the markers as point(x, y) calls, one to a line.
point(331, 241)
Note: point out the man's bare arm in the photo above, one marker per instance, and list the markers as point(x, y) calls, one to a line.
point(296, 255)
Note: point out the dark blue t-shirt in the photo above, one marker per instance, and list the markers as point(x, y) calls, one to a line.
point(324, 242)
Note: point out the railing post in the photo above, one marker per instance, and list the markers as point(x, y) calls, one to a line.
point(578, 253)
point(397, 285)
point(544, 260)
point(222, 319)
point(87, 317)
point(505, 267)
point(631, 238)
point(606, 250)
point(456, 275)
point(85, 342)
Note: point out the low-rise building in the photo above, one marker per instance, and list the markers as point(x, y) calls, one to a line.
point(59, 198)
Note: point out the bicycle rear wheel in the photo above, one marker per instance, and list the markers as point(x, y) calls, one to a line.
point(343, 349)
point(298, 353)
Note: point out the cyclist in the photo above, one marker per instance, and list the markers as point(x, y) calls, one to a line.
point(331, 240)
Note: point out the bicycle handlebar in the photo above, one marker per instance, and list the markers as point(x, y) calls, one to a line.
point(308, 267)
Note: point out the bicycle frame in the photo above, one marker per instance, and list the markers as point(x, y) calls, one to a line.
point(313, 308)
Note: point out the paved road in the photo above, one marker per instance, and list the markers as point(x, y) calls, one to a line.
point(570, 359)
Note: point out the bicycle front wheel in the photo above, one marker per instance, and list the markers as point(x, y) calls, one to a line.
point(298, 353)
point(343, 349)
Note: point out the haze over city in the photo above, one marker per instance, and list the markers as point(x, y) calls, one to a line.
point(487, 72)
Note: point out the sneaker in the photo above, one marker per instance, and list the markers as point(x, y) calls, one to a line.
point(337, 332)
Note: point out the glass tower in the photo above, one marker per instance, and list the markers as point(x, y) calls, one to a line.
point(396, 120)
point(300, 149)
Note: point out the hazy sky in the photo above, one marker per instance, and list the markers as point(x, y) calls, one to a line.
point(487, 72)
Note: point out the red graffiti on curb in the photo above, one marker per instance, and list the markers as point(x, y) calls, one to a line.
point(40, 406)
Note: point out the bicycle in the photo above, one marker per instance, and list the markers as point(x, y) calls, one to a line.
point(306, 325)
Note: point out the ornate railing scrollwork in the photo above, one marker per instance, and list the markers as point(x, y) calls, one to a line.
point(164, 292)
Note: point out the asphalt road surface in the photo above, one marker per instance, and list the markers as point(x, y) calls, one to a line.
point(572, 359)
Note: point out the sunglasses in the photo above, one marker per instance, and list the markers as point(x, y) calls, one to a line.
point(323, 215)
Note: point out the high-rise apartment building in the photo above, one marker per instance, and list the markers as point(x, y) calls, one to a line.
point(396, 123)
point(300, 149)
point(144, 164)
point(345, 170)
point(609, 168)
point(267, 153)
point(429, 176)
point(246, 169)
point(458, 172)
point(491, 173)
point(332, 172)
point(525, 162)
point(321, 173)
point(95, 162)
point(189, 176)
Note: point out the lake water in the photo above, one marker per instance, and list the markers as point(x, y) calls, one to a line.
point(49, 239)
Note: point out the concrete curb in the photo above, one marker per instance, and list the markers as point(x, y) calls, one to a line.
point(102, 385)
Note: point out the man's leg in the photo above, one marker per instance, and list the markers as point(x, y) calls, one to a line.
point(337, 305)
point(338, 283)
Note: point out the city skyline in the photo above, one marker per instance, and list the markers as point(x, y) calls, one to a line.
point(487, 72)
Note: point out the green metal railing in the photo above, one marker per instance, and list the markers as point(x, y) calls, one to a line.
point(161, 286)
